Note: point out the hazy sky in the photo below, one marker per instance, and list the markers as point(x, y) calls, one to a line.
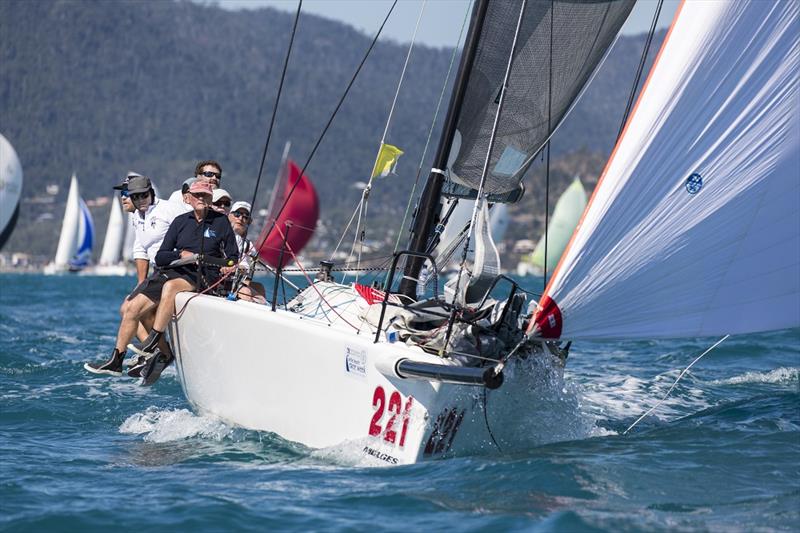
point(367, 15)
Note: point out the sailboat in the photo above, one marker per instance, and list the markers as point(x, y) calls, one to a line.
point(694, 229)
point(111, 262)
point(566, 215)
point(10, 189)
point(76, 241)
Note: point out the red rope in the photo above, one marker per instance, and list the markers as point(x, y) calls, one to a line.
point(310, 282)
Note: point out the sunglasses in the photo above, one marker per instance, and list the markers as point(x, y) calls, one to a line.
point(139, 196)
point(123, 194)
point(222, 203)
point(201, 195)
point(209, 174)
point(239, 214)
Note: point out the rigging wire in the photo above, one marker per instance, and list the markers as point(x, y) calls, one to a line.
point(277, 100)
point(430, 130)
point(685, 370)
point(640, 68)
point(547, 169)
point(333, 115)
point(361, 233)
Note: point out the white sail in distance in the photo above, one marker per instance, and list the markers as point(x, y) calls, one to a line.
point(694, 227)
point(115, 236)
point(68, 241)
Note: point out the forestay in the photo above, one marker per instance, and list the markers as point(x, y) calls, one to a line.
point(694, 228)
point(559, 45)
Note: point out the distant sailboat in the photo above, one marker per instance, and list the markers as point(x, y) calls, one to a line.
point(111, 261)
point(566, 216)
point(10, 189)
point(77, 235)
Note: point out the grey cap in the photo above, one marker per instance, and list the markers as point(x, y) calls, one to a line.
point(139, 184)
point(124, 185)
point(186, 184)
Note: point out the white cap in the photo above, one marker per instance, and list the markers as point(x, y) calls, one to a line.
point(219, 194)
point(240, 205)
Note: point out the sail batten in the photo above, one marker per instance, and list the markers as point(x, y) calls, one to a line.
point(694, 228)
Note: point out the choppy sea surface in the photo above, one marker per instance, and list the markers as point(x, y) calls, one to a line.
point(85, 453)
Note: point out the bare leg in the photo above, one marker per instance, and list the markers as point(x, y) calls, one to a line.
point(130, 320)
point(145, 324)
point(166, 308)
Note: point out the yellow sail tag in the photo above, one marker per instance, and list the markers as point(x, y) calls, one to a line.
point(387, 160)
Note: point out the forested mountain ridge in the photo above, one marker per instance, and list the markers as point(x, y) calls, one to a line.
point(100, 88)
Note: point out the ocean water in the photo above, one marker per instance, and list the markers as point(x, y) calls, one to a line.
point(85, 453)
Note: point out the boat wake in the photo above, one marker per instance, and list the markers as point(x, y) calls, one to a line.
point(166, 425)
point(779, 376)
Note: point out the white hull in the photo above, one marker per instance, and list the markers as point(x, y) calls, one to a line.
point(291, 375)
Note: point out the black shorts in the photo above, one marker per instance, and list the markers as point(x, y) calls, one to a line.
point(154, 283)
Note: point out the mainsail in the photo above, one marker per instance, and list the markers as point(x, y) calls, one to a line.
point(559, 45)
point(557, 48)
point(10, 189)
point(694, 228)
point(295, 223)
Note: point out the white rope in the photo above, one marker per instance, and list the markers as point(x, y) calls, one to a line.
point(685, 370)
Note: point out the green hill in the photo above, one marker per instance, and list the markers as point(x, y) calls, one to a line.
point(100, 88)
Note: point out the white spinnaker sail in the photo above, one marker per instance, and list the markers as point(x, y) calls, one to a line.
point(115, 236)
point(10, 186)
point(694, 228)
point(68, 241)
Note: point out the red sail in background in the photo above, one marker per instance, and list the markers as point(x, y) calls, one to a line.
point(299, 217)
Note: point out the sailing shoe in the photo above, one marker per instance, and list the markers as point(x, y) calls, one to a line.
point(141, 362)
point(153, 368)
point(112, 367)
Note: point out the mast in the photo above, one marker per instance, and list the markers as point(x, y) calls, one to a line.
point(429, 208)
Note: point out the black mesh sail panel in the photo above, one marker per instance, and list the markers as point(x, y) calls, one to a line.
point(559, 45)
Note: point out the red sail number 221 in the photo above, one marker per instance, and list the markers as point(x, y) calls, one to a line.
point(394, 408)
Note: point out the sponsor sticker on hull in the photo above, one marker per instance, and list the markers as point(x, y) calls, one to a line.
point(355, 362)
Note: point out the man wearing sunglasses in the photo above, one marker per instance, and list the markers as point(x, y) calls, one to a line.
point(209, 171)
point(221, 201)
point(240, 219)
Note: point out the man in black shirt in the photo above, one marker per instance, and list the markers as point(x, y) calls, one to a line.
point(201, 231)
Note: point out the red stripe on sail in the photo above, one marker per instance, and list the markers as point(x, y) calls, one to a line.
point(297, 220)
